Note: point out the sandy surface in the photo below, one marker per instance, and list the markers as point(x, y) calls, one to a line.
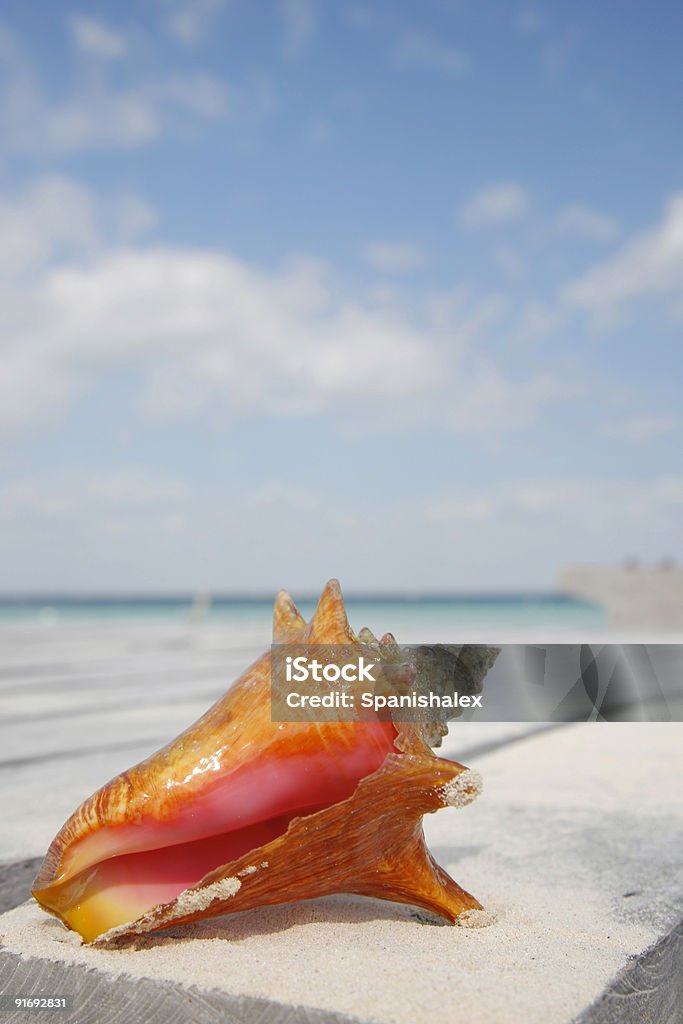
point(575, 848)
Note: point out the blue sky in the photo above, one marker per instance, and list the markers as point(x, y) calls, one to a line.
point(387, 291)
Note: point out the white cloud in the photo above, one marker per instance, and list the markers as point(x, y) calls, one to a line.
point(33, 123)
point(416, 50)
point(134, 491)
point(505, 532)
point(202, 94)
point(587, 498)
point(584, 222)
point(643, 428)
point(34, 120)
point(32, 392)
point(54, 218)
point(458, 307)
point(189, 20)
point(494, 402)
point(301, 21)
point(205, 334)
point(394, 257)
point(565, 518)
point(494, 204)
point(648, 265)
point(513, 530)
point(95, 38)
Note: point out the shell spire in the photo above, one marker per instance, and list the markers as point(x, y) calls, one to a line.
point(329, 624)
point(288, 622)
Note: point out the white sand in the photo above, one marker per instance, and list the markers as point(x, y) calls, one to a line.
point(568, 823)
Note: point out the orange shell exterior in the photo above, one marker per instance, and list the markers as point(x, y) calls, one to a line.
point(371, 843)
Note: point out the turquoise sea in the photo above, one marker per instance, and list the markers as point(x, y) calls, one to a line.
point(407, 615)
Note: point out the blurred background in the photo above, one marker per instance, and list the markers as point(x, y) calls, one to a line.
point(295, 289)
point(386, 291)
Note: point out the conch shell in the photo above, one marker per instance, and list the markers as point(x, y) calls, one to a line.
point(241, 812)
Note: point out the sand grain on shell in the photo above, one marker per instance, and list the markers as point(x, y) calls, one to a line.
point(463, 789)
point(192, 901)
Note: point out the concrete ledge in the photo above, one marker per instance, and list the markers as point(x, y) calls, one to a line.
point(97, 998)
point(15, 882)
point(576, 848)
point(649, 990)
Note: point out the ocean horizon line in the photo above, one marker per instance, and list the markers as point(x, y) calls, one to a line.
point(182, 598)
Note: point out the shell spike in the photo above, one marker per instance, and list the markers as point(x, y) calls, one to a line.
point(288, 622)
point(329, 624)
point(388, 643)
point(413, 876)
point(402, 868)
